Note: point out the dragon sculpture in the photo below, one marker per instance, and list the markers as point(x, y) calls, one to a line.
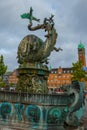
point(33, 55)
point(76, 93)
point(32, 48)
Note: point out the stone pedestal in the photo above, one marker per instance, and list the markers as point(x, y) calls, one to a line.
point(33, 78)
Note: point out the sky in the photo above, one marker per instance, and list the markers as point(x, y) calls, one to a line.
point(70, 19)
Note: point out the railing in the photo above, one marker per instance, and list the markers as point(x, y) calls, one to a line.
point(40, 99)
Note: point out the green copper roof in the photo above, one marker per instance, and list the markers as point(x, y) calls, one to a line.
point(80, 46)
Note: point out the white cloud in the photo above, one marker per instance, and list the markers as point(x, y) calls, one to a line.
point(70, 23)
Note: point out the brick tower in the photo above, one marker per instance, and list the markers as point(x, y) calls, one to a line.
point(81, 54)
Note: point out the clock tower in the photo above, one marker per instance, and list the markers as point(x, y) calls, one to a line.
point(81, 54)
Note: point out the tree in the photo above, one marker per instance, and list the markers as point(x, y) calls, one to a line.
point(78, 73)
point(3, 67)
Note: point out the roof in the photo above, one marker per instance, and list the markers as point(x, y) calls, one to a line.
point(80, 46)
point(64, 70)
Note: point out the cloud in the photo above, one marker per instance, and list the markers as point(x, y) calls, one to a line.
point(80, 17)
point(70, 23)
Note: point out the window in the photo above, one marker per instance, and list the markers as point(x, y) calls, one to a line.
point(64, 71)
point(68, 71)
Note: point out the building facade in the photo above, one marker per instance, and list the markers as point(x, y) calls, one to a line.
point(12, 77)
point(81, 54)
point(59, 77)
point(62, 76)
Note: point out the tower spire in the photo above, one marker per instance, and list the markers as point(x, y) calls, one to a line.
point(81, 53)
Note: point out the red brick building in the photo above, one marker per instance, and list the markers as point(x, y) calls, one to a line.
point(59, 77)
point(81, 54)
point(62, 76)
point(12, 78)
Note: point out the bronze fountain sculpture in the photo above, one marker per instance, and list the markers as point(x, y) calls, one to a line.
point(33, 53)
point(32, 107)
point(53, 111)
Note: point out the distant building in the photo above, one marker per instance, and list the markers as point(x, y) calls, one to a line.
point(59, 77)
point(12, 78)
point(81, 54)
point(5, 77)
point(62, 76)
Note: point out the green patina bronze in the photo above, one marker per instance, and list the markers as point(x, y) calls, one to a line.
point(33, 55)
point(29, 16)
point(42, 110)
point(80, 46)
